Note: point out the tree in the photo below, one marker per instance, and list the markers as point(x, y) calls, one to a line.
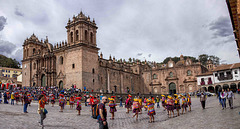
point(130, 60)
point(203, 59)
point(9, 62)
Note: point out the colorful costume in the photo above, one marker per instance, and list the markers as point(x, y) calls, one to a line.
point(52, 99)
point(150, 105)
point(61, 100)
point(184, 102)
point(170, 103)
point(163, 100)
point(177, 102)
point(128, 102)
point(189, 102)
point(136, 106)
point(79, 107)
point(112, 105)
point(71, 101)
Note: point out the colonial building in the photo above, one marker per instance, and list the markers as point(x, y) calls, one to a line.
point(77, 62)
point(9, 76)
point(221, 77)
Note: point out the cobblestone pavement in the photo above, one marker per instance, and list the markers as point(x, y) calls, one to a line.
point(212, 117)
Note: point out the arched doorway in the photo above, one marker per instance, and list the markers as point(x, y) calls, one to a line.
point(225, 86)
point(43, 80)
point(217, 88)
point(155, 90)
point(211, 89)
point(190, 88)
point(172, 88)
point(233, 86)
point(61, 85)
point(239, 85)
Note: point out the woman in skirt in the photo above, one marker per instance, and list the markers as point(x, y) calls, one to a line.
point(170, 106)
point(151, 110)
point(128, 103)
point(112, 106)
point(62, 102)
point(189, 102)
point(52, 100)
point(71, 102)
point(136, 108)
point(163, 100)
point(177, 104)
point(184, 104)
point(79, 107)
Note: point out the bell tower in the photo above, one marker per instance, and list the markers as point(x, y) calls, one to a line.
point(81, 30)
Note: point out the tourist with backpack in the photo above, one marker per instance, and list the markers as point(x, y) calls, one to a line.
point(102, 119)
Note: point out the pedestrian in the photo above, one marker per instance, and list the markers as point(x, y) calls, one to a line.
point(26, 102)
point(0, 97)
point(151, 110)
point(12, 98)
point(184, 104)
point(5, 98)
point(112, 104)
point(41, 109)
point(203, 100)
point(177, 104)
point(120, 100)
point(158, 100)
point(103, 114)
point(230, 96)
point(189, 102)
point(223, 96)
point(79, 106)
point(17, 97)
point(170, 106)
point(136, 107)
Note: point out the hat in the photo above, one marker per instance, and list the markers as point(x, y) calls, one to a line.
point(170, 97)
point(175, 95)
point(163, 95)
point(78, 98)
point(135, 99)
point(111, 99)
point(113, 96)
point(129, 95)
point(61, 95)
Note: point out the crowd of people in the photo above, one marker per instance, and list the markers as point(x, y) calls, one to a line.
point(170, 103)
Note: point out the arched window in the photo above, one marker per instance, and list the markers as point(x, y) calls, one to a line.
point(93, 71)
point(91, 37)
point(86, 35)
point(171, 74)
point(189, 72)
point(76, 35)
point(71, 36)
point(34, 66)
point(154, 76)
point(61, 60)
point(34, 50)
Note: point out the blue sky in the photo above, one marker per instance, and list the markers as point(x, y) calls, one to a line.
point(142, 29)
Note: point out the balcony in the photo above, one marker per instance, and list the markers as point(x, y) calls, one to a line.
point(202, 83)
point(228, 77)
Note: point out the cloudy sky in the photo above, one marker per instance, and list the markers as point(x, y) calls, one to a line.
point(143, 29)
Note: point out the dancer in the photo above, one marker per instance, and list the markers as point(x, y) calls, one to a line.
point(163, 102)
point(177, 104)
point(41, 109)
point(17, 97)
point(151, 110)
point(184, 104)
point(71, 102)
point(62, 102)
point(128, 103)
point(136, 107)
point(189, 102)
point(141, 106)
point(112, 106)
point(52, 100)
point(170, 106)
point(79, 106)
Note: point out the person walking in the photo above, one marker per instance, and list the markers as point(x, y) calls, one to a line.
point(103, 114)
point(223, 96)
point(158, 100)
point(203, 100)
point(41, 109)
point(26, 102)
point(120, 99)
point(230, 96)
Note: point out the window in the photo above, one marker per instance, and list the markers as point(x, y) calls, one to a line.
point(171, 74)
point(236, 72)
point(202, 81)
point(34, 50)
point(73, 66)
point(8, 75)
point(93, 80)
point(216, 74)
point(93, 71)
point(77, 35)
point(189, 72)
point(71, 36)
point(3, 75)
point(8, 71)
point(86, 35)
point(3, 70)
point(61, 60)
point(34, 66)
point(154, 76)
point(91, 37)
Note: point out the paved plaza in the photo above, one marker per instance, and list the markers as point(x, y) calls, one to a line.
point(213, 117)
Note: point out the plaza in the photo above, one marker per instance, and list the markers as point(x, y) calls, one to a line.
point(213, 117)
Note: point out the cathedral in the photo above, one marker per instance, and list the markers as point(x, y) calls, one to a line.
point(77, 62)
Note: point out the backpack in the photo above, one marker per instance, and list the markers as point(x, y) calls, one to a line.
point(95, 111)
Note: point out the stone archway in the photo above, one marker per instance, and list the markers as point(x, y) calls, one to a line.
point(211, 89)
point(61, 85)
point(225, 86)
point(233, 86)
point(204, 89)
point(43, 80)
point(172, 88)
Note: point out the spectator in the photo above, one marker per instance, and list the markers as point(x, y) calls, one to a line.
point(230, 96)
point(103, 114)
point(223, 96)
point(203, 100)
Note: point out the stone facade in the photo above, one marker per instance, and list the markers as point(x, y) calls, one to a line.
point(77, 62)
